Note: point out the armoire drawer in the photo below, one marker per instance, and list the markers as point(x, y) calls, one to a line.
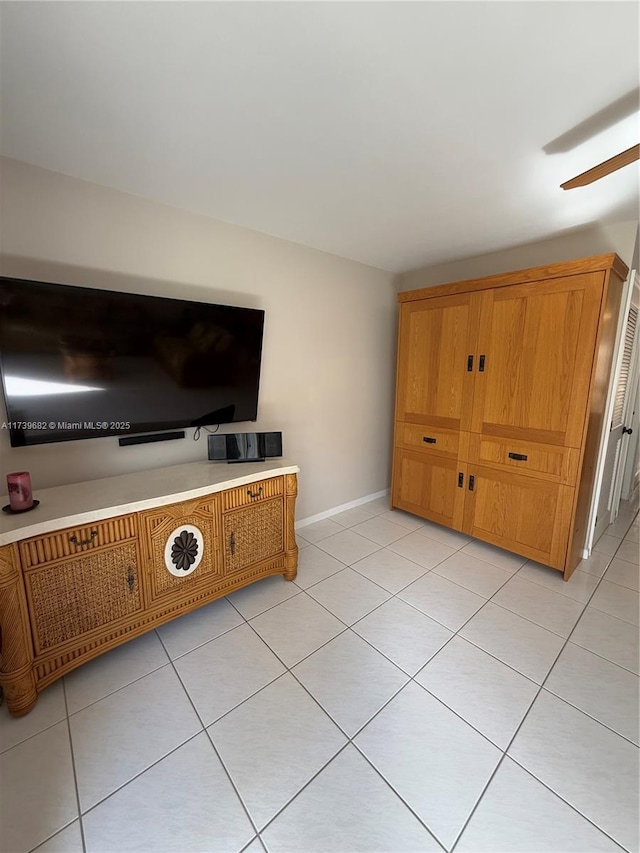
point(544, 461)
point(434, 439)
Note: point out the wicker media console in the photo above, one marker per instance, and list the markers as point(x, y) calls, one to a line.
point(99, 563)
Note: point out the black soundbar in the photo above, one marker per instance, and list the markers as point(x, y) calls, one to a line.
point(147, 439)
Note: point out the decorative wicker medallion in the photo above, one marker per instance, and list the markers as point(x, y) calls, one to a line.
point(183, 550)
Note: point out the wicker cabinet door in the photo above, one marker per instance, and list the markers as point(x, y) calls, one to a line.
point(182, 547)
point(70, 598)
point(253, 534)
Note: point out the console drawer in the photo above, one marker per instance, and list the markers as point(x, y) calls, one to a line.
point(74, 541)
point(253, 493)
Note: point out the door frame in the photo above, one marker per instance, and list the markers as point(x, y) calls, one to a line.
point(630, 403)
point(630, 285)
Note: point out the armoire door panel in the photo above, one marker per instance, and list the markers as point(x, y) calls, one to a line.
point(523, 514)
point(429, 486)
point(437, 339)
point(536, 343)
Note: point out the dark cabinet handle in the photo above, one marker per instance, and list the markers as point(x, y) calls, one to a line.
point(81, 542)
point(472, 483)
point(469, 363)
point(131, 579)
point(460, 480)
point(254, 494)
point(428, 440)
point(232, 544)
point(627, 430)
point(520, 457)
point(481, 364)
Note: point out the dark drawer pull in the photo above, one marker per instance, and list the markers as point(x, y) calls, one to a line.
point(428, 440)
point(472, 483)
point(81, 542)
point(232, 544)
point(254, 494)
point(131, 579)
point(520, 457)
point(469, 362)
point(481, 364)
point(460, 480)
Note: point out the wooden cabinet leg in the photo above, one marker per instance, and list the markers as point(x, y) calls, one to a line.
point(16, 666)
point(290, 546)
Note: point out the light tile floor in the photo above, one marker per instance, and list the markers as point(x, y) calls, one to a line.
point(413, 690)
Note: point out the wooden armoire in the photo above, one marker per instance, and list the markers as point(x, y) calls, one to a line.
point(500, 397)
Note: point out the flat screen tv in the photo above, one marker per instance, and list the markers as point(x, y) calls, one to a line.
point(78, 362)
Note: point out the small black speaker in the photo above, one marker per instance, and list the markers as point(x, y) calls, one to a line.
point(244, 446)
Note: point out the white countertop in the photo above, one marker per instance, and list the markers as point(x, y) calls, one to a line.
point(82, 503)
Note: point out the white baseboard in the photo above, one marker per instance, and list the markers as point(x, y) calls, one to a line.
point(305, 522)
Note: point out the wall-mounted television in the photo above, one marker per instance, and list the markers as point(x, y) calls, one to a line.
point(78, 362)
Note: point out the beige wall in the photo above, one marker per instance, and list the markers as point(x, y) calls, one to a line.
point(594, 240)
point(329, 347)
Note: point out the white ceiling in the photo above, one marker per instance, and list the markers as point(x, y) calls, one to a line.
point(397, 134)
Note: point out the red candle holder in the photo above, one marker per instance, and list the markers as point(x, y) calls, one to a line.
point(20, 494)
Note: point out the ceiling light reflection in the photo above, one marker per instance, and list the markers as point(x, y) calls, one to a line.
point(18, 386)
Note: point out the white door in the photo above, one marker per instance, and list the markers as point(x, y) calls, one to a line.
point(620, 410)
point(630, 401)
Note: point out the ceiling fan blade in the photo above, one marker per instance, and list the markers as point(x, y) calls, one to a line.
point(602, 169)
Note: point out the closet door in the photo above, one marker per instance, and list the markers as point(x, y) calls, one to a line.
point(536, 348)
point(436, 361)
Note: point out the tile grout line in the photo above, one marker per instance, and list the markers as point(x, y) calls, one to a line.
point(349, 742)
point(410, 677)
point(73, 765)
point(117, 689)
point(217, 754)
point(567, 803)
point(35, 734)
point(528, 711)
point(139, 774)
point(613, 616)
point(154, 763)
point(253, 840)
point(602, 657)
point(350, 739)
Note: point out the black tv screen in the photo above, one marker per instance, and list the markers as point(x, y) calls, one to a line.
point(83, 363)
